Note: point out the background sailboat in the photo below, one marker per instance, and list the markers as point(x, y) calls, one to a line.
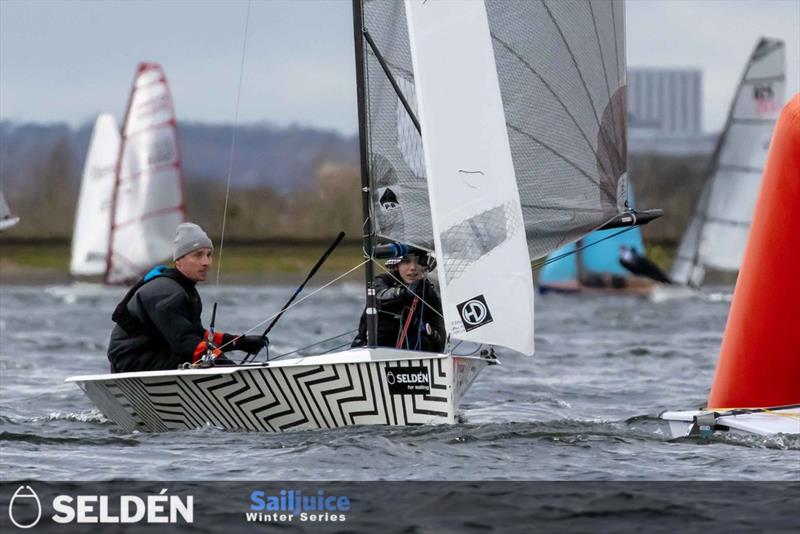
point(147, 198)
point(93, 215)
point(573, 268)
point(717, 233)
point(7, 220)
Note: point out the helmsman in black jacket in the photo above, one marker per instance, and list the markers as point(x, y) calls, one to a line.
point(400, 294)
point(158, 322)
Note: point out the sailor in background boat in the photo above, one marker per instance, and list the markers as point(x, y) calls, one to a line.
point(409, 308)
point(158, 321)
point(639, 265)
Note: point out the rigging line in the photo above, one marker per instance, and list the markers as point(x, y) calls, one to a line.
point(379, 264)
point(233, 143)
point(547, 261)
point(313, 345)
point(295, 303)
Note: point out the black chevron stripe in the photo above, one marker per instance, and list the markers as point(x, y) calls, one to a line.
point(193, 396)
point(290, 409)
point(262, 379)
point(298, 380)
point(311, 384)
point(135, 391)
point(250, 381)
point(336, 391)
point(236, 406)
point(267, 377)
point(377, 370)
point(205, 399)
point(234, 414)
point(354, 398)
point(374, 410)
point(190, 419)
point(300, 411)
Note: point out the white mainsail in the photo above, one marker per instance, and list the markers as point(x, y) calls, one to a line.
point(93, 215)
point(484, 270)
point(717, 233)
point(7, 220)
point(147, 203)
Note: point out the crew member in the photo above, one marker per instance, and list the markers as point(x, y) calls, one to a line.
point(158, 322)
point(409, 308)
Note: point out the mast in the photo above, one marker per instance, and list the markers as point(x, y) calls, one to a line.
point(117, 170)
point(366, 189)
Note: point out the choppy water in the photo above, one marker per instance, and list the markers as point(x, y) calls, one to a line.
point(585, 407)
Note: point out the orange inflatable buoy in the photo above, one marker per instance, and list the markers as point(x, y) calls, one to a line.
point(759, 363)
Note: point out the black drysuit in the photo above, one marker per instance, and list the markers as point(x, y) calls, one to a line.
point(394, 303)
point(170, 333)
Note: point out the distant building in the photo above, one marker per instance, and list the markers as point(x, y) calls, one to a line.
point(665, 100)
point(665, 110)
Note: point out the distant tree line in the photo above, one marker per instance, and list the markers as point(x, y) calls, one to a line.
point(296, 183)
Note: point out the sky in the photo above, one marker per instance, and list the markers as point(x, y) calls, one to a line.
point(67, 61)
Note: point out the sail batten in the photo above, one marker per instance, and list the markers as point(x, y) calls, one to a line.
point(717, 232)
point(148, 193)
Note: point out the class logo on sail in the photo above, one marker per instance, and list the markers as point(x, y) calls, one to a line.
point(23, 506)
point(764, 96)
point(474, 313)
point(389, 200)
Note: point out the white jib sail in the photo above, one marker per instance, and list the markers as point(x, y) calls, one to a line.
point(147, 203)
point(93, 215)
point(484, 270)
point(717, 234)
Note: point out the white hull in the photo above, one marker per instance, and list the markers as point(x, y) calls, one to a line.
point(760, 422)
point(8, 222)
point(354, 387)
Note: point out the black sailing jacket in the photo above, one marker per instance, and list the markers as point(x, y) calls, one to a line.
point(394, 303)
point(169, 309)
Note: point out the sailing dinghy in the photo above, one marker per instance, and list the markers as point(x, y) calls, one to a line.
point(93, 216)
point(756, 387)
point(146, 197)
point(717, 233)
point(491, 133)
point(594, 264)
point(7, 219)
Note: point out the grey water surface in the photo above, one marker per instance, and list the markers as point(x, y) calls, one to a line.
point(584, 407)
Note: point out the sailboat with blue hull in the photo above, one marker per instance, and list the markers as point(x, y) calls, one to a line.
point(593, 263)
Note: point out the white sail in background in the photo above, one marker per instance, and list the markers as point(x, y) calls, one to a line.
point(93, 216)
point(478, 230)
point(147, 204)
point(717, 233)
point(7, 220)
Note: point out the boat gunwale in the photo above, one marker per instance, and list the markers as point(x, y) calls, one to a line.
point(381, 354)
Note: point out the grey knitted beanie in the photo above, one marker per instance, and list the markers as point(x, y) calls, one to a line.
point(188, 238)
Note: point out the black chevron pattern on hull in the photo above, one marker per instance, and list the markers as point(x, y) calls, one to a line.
point(284, 398)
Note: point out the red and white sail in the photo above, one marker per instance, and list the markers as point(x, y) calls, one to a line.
point(147, 203)
point(93, 216)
